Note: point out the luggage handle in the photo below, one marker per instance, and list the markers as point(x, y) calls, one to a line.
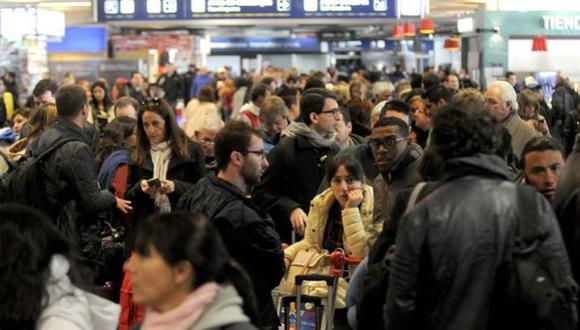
point(313, 277)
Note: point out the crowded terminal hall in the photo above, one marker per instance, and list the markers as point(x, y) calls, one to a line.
point(289, 164)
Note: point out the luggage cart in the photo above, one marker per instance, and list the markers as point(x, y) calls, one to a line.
point(319, 310)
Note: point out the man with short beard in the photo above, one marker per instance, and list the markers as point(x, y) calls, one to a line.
point(247, 231)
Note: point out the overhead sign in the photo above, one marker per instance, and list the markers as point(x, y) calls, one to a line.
point(345, 8)
point(80, 39)
point(563, 23)
point(409, 8)
point(240, 8)
point(423, 46)
point(15, 23)
point(465, 25)
point(262, 45)
point(121, 10)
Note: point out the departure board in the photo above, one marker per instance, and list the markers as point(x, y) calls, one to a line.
point(240, 8)
point(135, 10)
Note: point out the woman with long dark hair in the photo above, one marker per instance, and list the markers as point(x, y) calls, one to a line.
point(101, 106)
point(341, 217)
point(119, 136)
point(165, 163)
point(186, 279)
point(38, 278)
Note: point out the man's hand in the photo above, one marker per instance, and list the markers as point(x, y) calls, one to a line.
point(298, 219)
point(123, 205)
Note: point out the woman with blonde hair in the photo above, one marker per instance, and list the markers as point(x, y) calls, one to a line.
point(197, 109)
point(342, 92)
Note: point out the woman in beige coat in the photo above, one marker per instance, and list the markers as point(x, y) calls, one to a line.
point(341, 216)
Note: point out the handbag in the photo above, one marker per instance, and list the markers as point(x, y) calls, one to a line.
point(312, 260)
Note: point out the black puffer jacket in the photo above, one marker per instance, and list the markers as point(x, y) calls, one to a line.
point(248, 233)
point(183, 172)
point(451, 245)
point(71, 183)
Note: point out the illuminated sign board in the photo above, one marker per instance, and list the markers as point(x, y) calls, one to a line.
point(345, 8)
point(562, 23)
point(240, 8)
point(234, 46)
point(120, 10)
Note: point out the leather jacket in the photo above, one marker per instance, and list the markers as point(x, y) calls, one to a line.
point(452, 243)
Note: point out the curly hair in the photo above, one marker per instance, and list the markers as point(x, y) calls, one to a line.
point(465, 131)
point(28, 240)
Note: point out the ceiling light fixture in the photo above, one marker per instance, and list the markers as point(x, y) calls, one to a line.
point(452, 44)
point(409, 30)
point(398, 31)
point(427, 26)
point(539, 44)
point(65, 4)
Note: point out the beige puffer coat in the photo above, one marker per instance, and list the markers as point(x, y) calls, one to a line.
point(360, 232)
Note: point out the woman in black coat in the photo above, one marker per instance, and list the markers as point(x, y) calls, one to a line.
point(165, 164)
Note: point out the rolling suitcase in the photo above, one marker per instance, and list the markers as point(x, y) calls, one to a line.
point(309, 313)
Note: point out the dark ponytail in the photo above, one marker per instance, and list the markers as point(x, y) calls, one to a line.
point(234, 274)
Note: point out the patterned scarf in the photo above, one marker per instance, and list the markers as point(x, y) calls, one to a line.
point(160, 155)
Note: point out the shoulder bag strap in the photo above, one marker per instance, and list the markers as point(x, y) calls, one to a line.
point(57, 144)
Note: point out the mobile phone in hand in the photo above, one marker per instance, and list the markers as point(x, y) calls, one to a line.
point(155, 182)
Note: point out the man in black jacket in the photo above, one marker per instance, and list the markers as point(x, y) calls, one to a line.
point(247, 231)
point(172, 85)
point(71, 184)
point(298, 163)
point(454, 248)
point(397, 160)
point(567, 206)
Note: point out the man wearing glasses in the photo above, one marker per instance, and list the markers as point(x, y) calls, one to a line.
point(397, 160)
point(246, 230)
point(298, 163)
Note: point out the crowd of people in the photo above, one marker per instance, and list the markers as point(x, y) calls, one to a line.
point(457, 208)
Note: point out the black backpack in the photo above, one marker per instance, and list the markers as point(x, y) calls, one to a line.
point(373, 292)
point(25, 184)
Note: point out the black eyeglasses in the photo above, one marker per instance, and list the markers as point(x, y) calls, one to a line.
point(260, 153)
point(152, 100)
point(386, 143)
point(333, 112)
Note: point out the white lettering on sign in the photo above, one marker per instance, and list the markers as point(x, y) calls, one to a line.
point(341, 5)
point(562, 23)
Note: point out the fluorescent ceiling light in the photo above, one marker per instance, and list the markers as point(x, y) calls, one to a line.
point(65, 4)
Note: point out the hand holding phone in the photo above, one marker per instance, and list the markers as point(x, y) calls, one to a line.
point(150, 186)
point(155, 182)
